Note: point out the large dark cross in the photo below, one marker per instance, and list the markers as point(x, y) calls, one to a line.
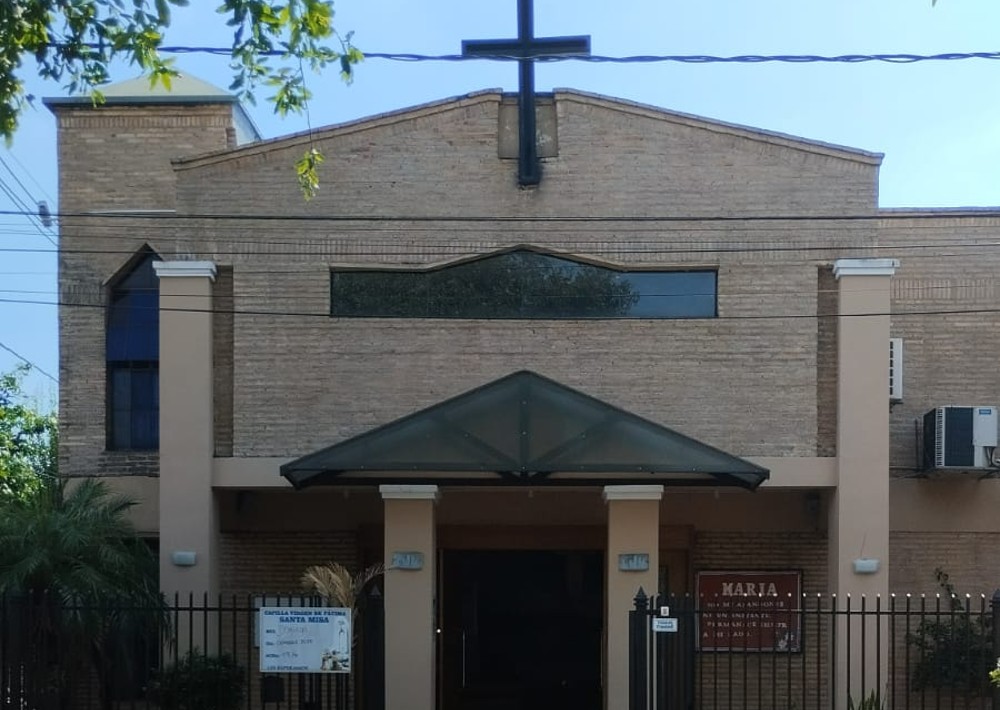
point(527, 48)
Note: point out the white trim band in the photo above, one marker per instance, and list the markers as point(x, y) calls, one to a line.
point(633, 493)
point(402, 491)
point(865, 267)
point(190, 269)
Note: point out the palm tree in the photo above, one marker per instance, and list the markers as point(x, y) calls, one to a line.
point(335, 583)
point(84, 582)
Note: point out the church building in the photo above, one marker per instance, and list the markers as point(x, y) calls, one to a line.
point(646, 350)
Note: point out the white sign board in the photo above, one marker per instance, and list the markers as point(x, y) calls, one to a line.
point(661, 625)
point(305, 640)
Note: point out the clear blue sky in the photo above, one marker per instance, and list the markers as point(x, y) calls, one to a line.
point(937, 123)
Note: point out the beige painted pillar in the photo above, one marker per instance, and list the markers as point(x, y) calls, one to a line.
point(188, 525)
point(409, 597)
point(859, 510)
point(633, 529)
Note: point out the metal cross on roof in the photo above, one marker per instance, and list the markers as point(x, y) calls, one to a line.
point(527, 48)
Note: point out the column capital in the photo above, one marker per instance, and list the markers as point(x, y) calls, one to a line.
point(865, 267)
point(189, 269)
point(392, 491)
point(650, 492)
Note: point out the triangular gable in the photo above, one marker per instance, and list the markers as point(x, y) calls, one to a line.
point(523, 428)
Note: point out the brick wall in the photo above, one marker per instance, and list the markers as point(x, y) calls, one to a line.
point(222, 360)
point(971, 560)
point(113, 158)
point(949, 358)
point(273, 562)
point(767, 680)
point(805, 551)
point(331, 379)
point(337, 378)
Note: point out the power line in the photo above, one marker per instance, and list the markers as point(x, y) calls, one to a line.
point(28, 362)
point(98, 290)
point(31, 177)
point(30, 214)
point(889, 58)
point(331, 251)
point(171, 216)
point(328, 316)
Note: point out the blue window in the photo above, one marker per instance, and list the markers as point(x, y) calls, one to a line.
point(132, 351)
point(522, 284)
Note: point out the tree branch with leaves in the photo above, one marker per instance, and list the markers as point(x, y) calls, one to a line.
point(28, 441)
point(77, 41)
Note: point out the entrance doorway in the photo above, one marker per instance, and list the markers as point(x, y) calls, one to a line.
point(522, 630)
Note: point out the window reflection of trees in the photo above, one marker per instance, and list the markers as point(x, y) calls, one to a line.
point(522, 284)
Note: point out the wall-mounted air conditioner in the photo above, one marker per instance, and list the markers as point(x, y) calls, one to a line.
point(895, 369)
point(960, 437)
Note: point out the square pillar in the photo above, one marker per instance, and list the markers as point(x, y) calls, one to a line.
point(410, 635)
point(633, 529)
point(189, 528)
point(859, 509)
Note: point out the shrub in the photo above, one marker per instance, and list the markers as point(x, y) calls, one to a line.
point(200, 682)
point(954, 651)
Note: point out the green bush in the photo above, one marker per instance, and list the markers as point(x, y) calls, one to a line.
point(200, 682)
point(953, 649)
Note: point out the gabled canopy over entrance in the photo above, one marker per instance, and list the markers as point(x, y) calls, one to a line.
point(523, 428)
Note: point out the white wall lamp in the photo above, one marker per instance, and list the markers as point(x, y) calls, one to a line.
point(184, 558)
point(866, 565)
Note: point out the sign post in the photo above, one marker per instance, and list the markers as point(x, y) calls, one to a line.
point(305, 640)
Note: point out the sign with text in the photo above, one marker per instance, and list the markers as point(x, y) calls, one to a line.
point(305, 640)
point(750, 611)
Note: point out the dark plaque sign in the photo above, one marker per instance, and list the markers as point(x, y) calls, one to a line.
point(750, 611)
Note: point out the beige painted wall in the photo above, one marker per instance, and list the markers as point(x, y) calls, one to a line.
point(188, 507)
point(409, 598)
point(633, 528)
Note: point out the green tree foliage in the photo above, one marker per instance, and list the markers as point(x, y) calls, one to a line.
point(82, 584)
point(76, 41)
point(27, 441)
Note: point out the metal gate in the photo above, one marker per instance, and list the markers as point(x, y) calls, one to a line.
point(661, 653)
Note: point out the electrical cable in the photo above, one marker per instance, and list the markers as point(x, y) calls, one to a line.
point(882, 215)
point(28, 362)
point(327, 315)
point(890, 58)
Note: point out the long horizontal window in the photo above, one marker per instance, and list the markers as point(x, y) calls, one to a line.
point(523, 284)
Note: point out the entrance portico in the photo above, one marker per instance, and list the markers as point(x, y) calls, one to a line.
point(524, 431)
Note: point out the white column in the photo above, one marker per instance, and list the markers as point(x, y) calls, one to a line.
point(409, 597)
point(633, 532)
point(859, 510)
point(188, 522)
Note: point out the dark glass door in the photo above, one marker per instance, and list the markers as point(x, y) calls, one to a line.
point(521, 630)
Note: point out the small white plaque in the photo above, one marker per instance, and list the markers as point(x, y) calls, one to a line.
point(664, 611)
point(407, 560)
point(633, 562)
point(664, 626)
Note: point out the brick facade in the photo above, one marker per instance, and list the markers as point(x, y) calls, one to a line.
point(289, 379)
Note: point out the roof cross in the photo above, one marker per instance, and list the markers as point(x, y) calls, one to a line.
point(527, 48)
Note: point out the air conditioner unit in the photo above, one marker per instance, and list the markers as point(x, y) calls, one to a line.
point(960, 437)
point(895, 369)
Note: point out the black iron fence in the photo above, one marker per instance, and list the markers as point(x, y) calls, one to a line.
point(192, 653)
point(814, 652)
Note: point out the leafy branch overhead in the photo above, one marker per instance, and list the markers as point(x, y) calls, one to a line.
point(77, 42)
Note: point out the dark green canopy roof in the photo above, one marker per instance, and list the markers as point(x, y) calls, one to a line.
point(528, 429)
